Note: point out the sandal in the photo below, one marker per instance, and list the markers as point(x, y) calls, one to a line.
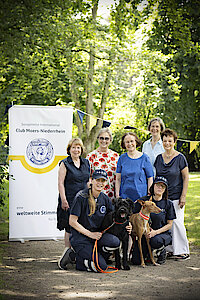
point(170, 255)
point(182, 257)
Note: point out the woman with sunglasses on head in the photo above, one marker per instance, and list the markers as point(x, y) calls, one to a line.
point(106, 159)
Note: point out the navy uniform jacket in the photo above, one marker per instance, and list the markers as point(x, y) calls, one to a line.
point(80, 208)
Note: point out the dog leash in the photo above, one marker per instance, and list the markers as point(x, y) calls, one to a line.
point(95, 254)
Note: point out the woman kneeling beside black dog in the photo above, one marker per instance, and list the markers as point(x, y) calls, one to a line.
point(160, 234)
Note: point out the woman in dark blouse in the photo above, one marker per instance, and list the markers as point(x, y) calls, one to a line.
point(73, 175)
point(174, 167)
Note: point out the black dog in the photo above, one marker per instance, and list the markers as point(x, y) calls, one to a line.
point(117, 221)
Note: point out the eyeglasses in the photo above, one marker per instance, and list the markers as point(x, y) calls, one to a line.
point(162, 185)
point(102, 138)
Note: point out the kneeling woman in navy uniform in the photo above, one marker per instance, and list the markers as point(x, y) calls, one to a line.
point(160, 234)
point(87, 213)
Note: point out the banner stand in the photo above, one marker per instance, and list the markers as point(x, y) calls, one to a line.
point(38, 138)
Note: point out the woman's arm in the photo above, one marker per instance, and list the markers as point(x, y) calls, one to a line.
point(73, 221)
point(185, 177)
point(62, 172)
point(149, 184)
point(166, 227)
point(117, 184)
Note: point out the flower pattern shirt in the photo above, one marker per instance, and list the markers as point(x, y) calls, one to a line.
point(108, 162)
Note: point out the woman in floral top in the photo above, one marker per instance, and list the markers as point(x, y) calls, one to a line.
point(106, 159)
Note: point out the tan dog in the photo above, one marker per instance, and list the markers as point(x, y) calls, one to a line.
point(140, 225)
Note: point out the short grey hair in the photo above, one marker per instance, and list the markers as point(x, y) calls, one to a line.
point(160, 121)
point(105, 130)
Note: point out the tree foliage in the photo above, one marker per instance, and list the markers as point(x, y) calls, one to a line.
point(142, 62)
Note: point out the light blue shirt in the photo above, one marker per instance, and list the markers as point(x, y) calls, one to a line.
point(153, 152)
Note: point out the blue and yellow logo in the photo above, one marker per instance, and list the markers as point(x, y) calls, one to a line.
point(39, 152)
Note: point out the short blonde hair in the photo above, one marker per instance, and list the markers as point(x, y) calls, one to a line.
point(76, 141)
point(107, 130)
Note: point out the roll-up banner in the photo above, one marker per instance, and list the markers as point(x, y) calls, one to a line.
point(38, 138)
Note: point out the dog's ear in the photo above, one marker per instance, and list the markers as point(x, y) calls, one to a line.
point(142, 202)
point(150, 199)
point(116, 200)
point(130, 202)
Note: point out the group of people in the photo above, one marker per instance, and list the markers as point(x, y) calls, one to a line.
point(87, 187)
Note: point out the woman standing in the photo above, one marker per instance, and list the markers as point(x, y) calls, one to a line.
point(73, 175)
point(87, 213)
point(160, 235)
point(154, 146)
point(134, 170)
point(173, 166)
point(106, 159)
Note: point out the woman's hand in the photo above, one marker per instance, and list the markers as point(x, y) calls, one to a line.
point(182, 201)
point(152, 233)
point(129, 228)
point(95, 235)
point(65, 205)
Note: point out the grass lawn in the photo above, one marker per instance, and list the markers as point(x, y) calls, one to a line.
point(192, 209)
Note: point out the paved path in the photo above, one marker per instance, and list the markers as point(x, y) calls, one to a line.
point(29, 271)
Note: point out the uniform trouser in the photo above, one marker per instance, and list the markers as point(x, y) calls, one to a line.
point(179, 238)
point(156, 242)
point(106, 245)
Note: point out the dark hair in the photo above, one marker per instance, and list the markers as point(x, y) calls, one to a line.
point(138, 141)
point(165, 194)
point(159, 120)
point(76, 141)
point(169, 132)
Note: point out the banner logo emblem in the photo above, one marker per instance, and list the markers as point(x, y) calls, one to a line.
point(39, 151)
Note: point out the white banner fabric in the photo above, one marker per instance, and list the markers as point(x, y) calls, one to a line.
point(38, 137)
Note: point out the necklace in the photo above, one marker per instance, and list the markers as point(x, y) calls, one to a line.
point(133, 155)
point(168, 156)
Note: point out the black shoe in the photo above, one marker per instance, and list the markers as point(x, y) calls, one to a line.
point(68, 256)
point(162, 257)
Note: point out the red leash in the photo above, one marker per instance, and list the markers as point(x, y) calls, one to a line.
point(95, 254)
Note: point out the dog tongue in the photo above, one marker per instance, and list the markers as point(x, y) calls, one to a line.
point(123, 215)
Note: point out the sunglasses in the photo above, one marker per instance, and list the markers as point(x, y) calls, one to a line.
point(102, 138)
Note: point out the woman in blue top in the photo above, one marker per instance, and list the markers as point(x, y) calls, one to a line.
point(134, 170)
point(173, 166)
point(73, 175)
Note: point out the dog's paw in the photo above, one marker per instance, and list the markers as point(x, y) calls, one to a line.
point(118, 267)
point(126, 267)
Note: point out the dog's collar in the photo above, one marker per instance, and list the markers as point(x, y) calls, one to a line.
point(120, 223)
point(143, 216)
